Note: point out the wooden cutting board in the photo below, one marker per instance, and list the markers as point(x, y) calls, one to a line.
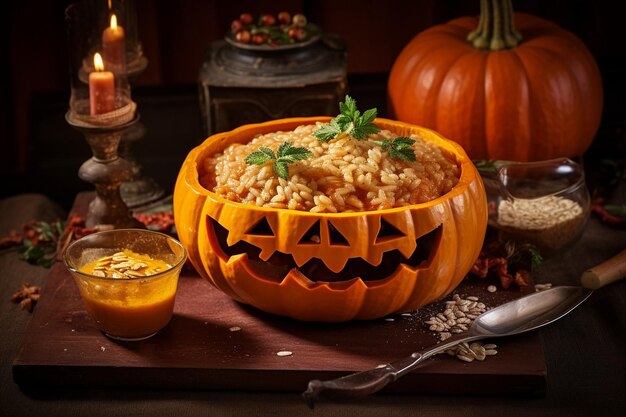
point(199, 349)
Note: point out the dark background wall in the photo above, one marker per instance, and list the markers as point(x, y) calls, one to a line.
point(34, 80)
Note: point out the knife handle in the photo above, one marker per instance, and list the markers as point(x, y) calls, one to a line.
point(605, 273)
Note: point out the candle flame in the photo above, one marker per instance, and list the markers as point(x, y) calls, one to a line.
point(98, 63)
point(113, 21)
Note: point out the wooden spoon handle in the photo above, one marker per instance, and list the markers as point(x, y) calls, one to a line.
point(605, 273)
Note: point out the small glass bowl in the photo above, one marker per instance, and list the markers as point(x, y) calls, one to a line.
point(545, 204)
point(127, 309)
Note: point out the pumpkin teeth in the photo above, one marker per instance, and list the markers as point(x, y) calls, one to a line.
point(277, 266)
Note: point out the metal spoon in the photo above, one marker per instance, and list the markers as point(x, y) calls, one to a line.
point(515, 317)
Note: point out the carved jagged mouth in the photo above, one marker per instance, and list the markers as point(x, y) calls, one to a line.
point(279, 264)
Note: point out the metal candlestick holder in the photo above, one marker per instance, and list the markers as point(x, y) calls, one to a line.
point(106, 170)
point(104, 51)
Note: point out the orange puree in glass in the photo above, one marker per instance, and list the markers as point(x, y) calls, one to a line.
point(129, 306)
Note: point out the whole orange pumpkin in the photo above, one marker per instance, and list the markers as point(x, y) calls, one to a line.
point(364, 265)
point(501, 95)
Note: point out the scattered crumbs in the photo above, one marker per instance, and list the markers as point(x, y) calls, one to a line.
point(206, 322)
point(73, 330)
point(406, 315)
point(247, 355)
point(235, 329)
point(390, 319)
point(492, 288)
point(102, 348)
point(65, 350)
point(284, 353)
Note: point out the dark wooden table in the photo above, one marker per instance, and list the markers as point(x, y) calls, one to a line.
point(584, 354)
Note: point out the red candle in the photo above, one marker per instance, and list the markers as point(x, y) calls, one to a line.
point(113, 44)
point(101, 88)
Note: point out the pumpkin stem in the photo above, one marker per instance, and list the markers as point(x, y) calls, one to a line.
point(496, 29)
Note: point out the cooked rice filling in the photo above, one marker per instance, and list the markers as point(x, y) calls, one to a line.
point(343, 175)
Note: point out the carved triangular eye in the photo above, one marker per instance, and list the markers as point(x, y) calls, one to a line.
point(262, 228)
point(336, 238)
point(312, 236)
point(387, 232)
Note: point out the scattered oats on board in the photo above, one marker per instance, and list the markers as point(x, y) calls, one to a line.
point(458, 315)
point(542, 287)
point(492, 288)
point(284, 353)
point(468, 352)
point(390, 319)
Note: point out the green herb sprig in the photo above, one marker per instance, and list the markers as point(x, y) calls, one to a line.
point(351, 122)
point(399, 148)
point(286, 154)
point(40, 246)
point(616, 209)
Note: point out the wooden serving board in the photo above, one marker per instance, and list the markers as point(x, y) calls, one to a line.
point(199, 350)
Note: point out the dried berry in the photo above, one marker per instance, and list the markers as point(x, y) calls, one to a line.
point(297, 33)
point(284, 17)
point(243, 36)
point(236, 26)
point(299, 20)
point(267, 20)
point(259, 38)
point(246, 18)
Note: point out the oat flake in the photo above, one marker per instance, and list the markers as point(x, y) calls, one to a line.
point(284, 353)
point(235, 329)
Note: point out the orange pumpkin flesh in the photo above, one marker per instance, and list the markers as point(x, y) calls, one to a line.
point(214, 230)
point(541, 99)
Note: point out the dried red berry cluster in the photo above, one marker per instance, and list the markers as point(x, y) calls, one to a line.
point(161, 222)
point(504, 261)
point(268, 29)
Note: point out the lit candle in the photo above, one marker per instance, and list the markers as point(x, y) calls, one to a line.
point(113, 44)
point(101, 88)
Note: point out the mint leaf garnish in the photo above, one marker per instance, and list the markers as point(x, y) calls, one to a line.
point(286, 154)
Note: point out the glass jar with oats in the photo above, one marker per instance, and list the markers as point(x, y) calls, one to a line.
point(544, 204)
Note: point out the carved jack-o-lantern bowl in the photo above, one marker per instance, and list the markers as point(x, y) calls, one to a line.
point(325, 266)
